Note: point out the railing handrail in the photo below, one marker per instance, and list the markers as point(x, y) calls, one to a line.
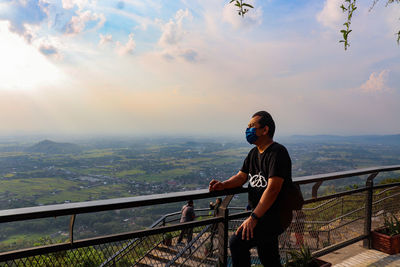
point(132, 202)
point(165, 216)
point(109, 204)
point(343, 174)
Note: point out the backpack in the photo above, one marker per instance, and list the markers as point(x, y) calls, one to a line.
point(292, 199)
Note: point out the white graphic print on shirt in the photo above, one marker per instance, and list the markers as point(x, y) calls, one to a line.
point(257, 180)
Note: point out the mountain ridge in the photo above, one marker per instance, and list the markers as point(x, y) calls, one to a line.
point(50, 147)
point(393, 139)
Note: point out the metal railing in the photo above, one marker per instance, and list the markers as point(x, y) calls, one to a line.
point(322, 228)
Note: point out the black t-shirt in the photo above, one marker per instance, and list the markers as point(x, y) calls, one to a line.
point(275, 161)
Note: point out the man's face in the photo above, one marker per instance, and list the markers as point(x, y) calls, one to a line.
point(254, 122)
point(260, 131)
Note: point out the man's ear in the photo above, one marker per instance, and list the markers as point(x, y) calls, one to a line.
point(266, 130)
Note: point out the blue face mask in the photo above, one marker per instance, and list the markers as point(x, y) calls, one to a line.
point(251, 136)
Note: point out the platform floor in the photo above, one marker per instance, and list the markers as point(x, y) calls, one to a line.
point(357, 256)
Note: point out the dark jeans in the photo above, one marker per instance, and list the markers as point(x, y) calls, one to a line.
point(188, 232)
point(267, 247)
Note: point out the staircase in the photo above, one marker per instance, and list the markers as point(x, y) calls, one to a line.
point(151, 251)
point(163, 255)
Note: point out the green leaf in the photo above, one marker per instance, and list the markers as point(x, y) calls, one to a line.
point(244, 4)
point(398, 38)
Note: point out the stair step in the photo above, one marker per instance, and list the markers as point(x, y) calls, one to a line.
point(192, 261)
point(166, 249)
point(142, 265)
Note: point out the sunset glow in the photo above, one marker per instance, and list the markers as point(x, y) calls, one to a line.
point(196, 67)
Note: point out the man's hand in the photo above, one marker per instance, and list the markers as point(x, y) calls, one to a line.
point(247, 228)
point(235, 181)
point(215, 185)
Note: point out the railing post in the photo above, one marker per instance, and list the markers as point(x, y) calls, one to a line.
point(226, 232)
point(368, 209)
point(342, 206)
point(315, 189)
point(71, 228)
point(223, 232)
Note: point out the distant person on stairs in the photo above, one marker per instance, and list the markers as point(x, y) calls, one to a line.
point(188, 215)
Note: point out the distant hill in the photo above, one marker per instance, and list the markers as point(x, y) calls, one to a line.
point(360, 139)
point(50, 147)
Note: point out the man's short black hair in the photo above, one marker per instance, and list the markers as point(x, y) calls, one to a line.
point(266, 120)
point(190, 202)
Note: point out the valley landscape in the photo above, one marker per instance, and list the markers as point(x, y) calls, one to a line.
point(48, 172)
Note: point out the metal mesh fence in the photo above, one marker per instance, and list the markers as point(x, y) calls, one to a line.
point(319, 224)
point(329, 222)
point(386, 202)
point(152, 250)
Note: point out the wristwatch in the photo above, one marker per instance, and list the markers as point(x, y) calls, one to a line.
point(254, 216)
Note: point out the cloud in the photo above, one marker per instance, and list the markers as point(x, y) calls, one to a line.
point(331, 15)
point(49, 46)
point(128, 48)
point(121, 5)
point(50, 50)
point(377, 82)
point(172, 38)
point(45, 5)
point(78, 22)
point(69, 4)
point(173, 31)
point(105, 39)
point(23, 67)
point(252, 18)
point(189, 55)
point(392, 18)
point(22, 14)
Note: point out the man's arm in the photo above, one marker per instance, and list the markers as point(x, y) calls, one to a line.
point(235, 181)
point(267, 199)
point(269, 195)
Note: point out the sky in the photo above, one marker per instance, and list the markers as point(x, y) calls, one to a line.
point(194, 67)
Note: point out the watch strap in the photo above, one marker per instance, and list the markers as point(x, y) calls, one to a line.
point(254, 216)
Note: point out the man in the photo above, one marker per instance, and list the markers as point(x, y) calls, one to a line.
point(188, 215)
point(268, 169)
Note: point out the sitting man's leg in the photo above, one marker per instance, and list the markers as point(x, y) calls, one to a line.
point(268, 250)
point(240, 250)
